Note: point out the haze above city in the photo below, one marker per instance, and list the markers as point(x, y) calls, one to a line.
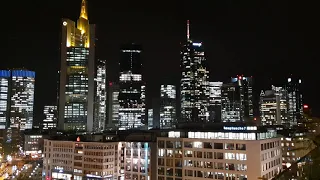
point(262, 39)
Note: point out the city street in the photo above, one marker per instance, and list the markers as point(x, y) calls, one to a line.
point(18, 169)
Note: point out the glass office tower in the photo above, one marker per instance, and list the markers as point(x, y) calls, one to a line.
point(16, 107)
point(100, 116)
point(76, 90)
point(131, 88)
point(294, 100)
point(194, 84)
point(50, 118)
point(168, 107)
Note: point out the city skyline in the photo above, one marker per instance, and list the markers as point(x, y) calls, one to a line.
point(220, 49)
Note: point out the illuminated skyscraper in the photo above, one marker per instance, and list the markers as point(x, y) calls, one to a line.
point(167, 107)
point(76, 91)
point(237, 100)
point(50, 118)
point(230, 103)
point(150, 118)
point(5, 78)
point(131, 88)
point(215, 101)
point(100, 116)
point(16, 108)
point(113, 105)
point(273, 107)
point(294, 99)
point(22, 99)
point(194, 82)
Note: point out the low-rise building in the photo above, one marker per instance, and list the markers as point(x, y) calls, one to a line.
point(214, 152)
point(33, 143)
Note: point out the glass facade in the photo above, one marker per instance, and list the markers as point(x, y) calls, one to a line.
point(75, 114)
point(50, 120)
point(131, 88)
point(5, 77)
point(194, 83)
point(150, 118)
point(230, 103)
point(167, 106)
point(22, 99)
point(113, 105)
point(215, 101)
point(101, 97)
point(77, 73)
point(237, 100)
point(273, 106)
point(16, 107)
point(294, 99)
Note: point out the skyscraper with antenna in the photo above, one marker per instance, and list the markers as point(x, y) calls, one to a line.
point(76, 84)
point(194, 84)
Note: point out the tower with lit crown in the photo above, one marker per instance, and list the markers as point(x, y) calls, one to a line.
point(194, 84)
point(76, 89)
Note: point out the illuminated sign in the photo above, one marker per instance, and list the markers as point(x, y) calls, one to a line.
point(197, 44)
point(240, 128)
point(305, 106)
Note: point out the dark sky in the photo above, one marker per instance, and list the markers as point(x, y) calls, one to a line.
point(266, 39)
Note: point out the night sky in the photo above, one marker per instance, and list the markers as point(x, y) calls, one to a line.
point(268, 40)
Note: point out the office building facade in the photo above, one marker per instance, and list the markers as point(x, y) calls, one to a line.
point(215, 101)
point(110, 160)
point(168, 117)
point(194, 84)
point(273, 107)
point(294, 99)
point(237, 100)
point(230, 103)
point(113, 105)
point(131, 88)
point(76, 89)
point(150, 118)
point(100, 116)
point(227, 152)
point(219, 155)
point(17, 102)
point(50, 118)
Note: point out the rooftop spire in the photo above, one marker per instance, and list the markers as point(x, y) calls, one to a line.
point(83, 13)
point(188, 30)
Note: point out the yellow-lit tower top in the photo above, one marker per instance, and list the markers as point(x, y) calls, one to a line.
point(78, 35)
point(84, 13)
point(83, 24)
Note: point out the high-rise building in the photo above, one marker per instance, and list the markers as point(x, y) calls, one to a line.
point(76, 90)
point(237, 100)
point(215, 101)
point(230, 103)
point(194, 82)
point(16, 108)
point(273, 106)
point(150, 118)
point(168, 107)
point(132, 88)
point(113, 105)
point(100, 116)
point(294, 99)
point(5, 78)
point(50, 118)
